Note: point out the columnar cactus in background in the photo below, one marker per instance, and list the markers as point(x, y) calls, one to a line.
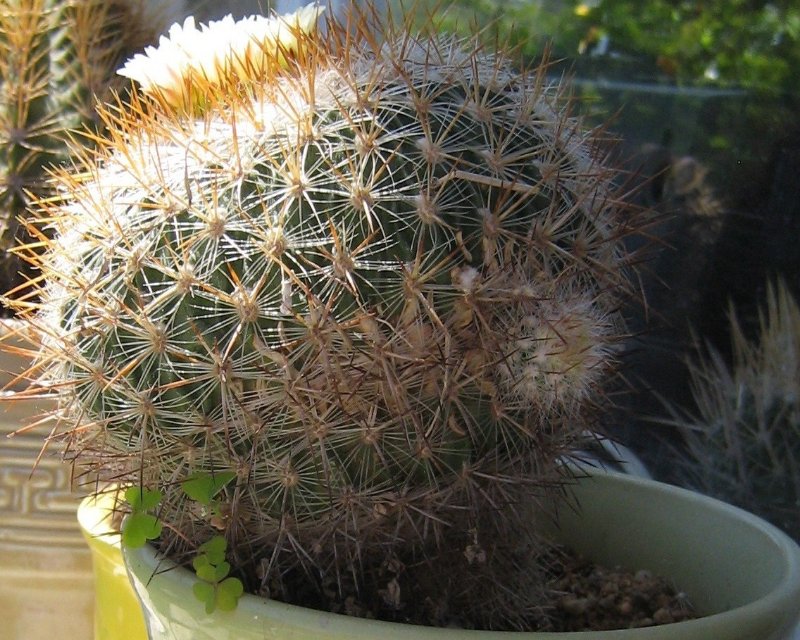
point(744, 443)
point(56, 58)
point(375, 275)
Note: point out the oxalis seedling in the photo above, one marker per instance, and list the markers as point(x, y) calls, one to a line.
point(141, 526)
point(214, 588)
point(204, 487)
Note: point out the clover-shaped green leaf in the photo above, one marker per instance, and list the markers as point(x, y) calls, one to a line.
point(138, 528)
point(206, 593)
point(203, 487)
point(228, 593)
point(214, 549)
point(142, 499)
point(218, 591)
point(210, 572)
point(207, 573)
point(221, 571)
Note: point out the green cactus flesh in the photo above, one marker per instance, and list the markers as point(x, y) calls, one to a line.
point(381, 290)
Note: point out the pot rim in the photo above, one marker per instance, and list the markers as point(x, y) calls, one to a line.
point(785, 592)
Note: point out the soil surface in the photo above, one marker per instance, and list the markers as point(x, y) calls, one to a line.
point(581, 595)
point(590, 596)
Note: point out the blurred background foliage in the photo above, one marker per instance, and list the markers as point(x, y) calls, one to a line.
point(736, 43)
point(704, 96)
point(714, 79)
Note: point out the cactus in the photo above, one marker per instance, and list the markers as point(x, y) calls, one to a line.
point(744, 444)
point(56, 58)
point(374, 274)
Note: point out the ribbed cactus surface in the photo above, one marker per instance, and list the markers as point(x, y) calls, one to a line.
point(379, 284)
point(56, 58)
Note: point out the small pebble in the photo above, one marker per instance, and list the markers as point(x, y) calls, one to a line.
point(663, 616)
point(594, 597)
point(607, 602)
point(575, 606)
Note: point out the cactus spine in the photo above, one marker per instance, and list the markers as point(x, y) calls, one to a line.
point(377, 277)
point(56, 58)
point(744, 443)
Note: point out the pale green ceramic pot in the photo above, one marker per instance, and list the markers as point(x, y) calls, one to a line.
point(741, 573)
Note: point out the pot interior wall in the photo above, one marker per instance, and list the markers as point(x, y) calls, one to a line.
point(705, 551)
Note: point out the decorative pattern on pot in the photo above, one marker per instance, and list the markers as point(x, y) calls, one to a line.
point(45, 570)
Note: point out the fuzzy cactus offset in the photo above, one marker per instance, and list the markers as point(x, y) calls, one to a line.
point(374, 274)
point(56, 58)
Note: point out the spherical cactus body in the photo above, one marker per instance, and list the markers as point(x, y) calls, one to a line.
point(378, 281)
